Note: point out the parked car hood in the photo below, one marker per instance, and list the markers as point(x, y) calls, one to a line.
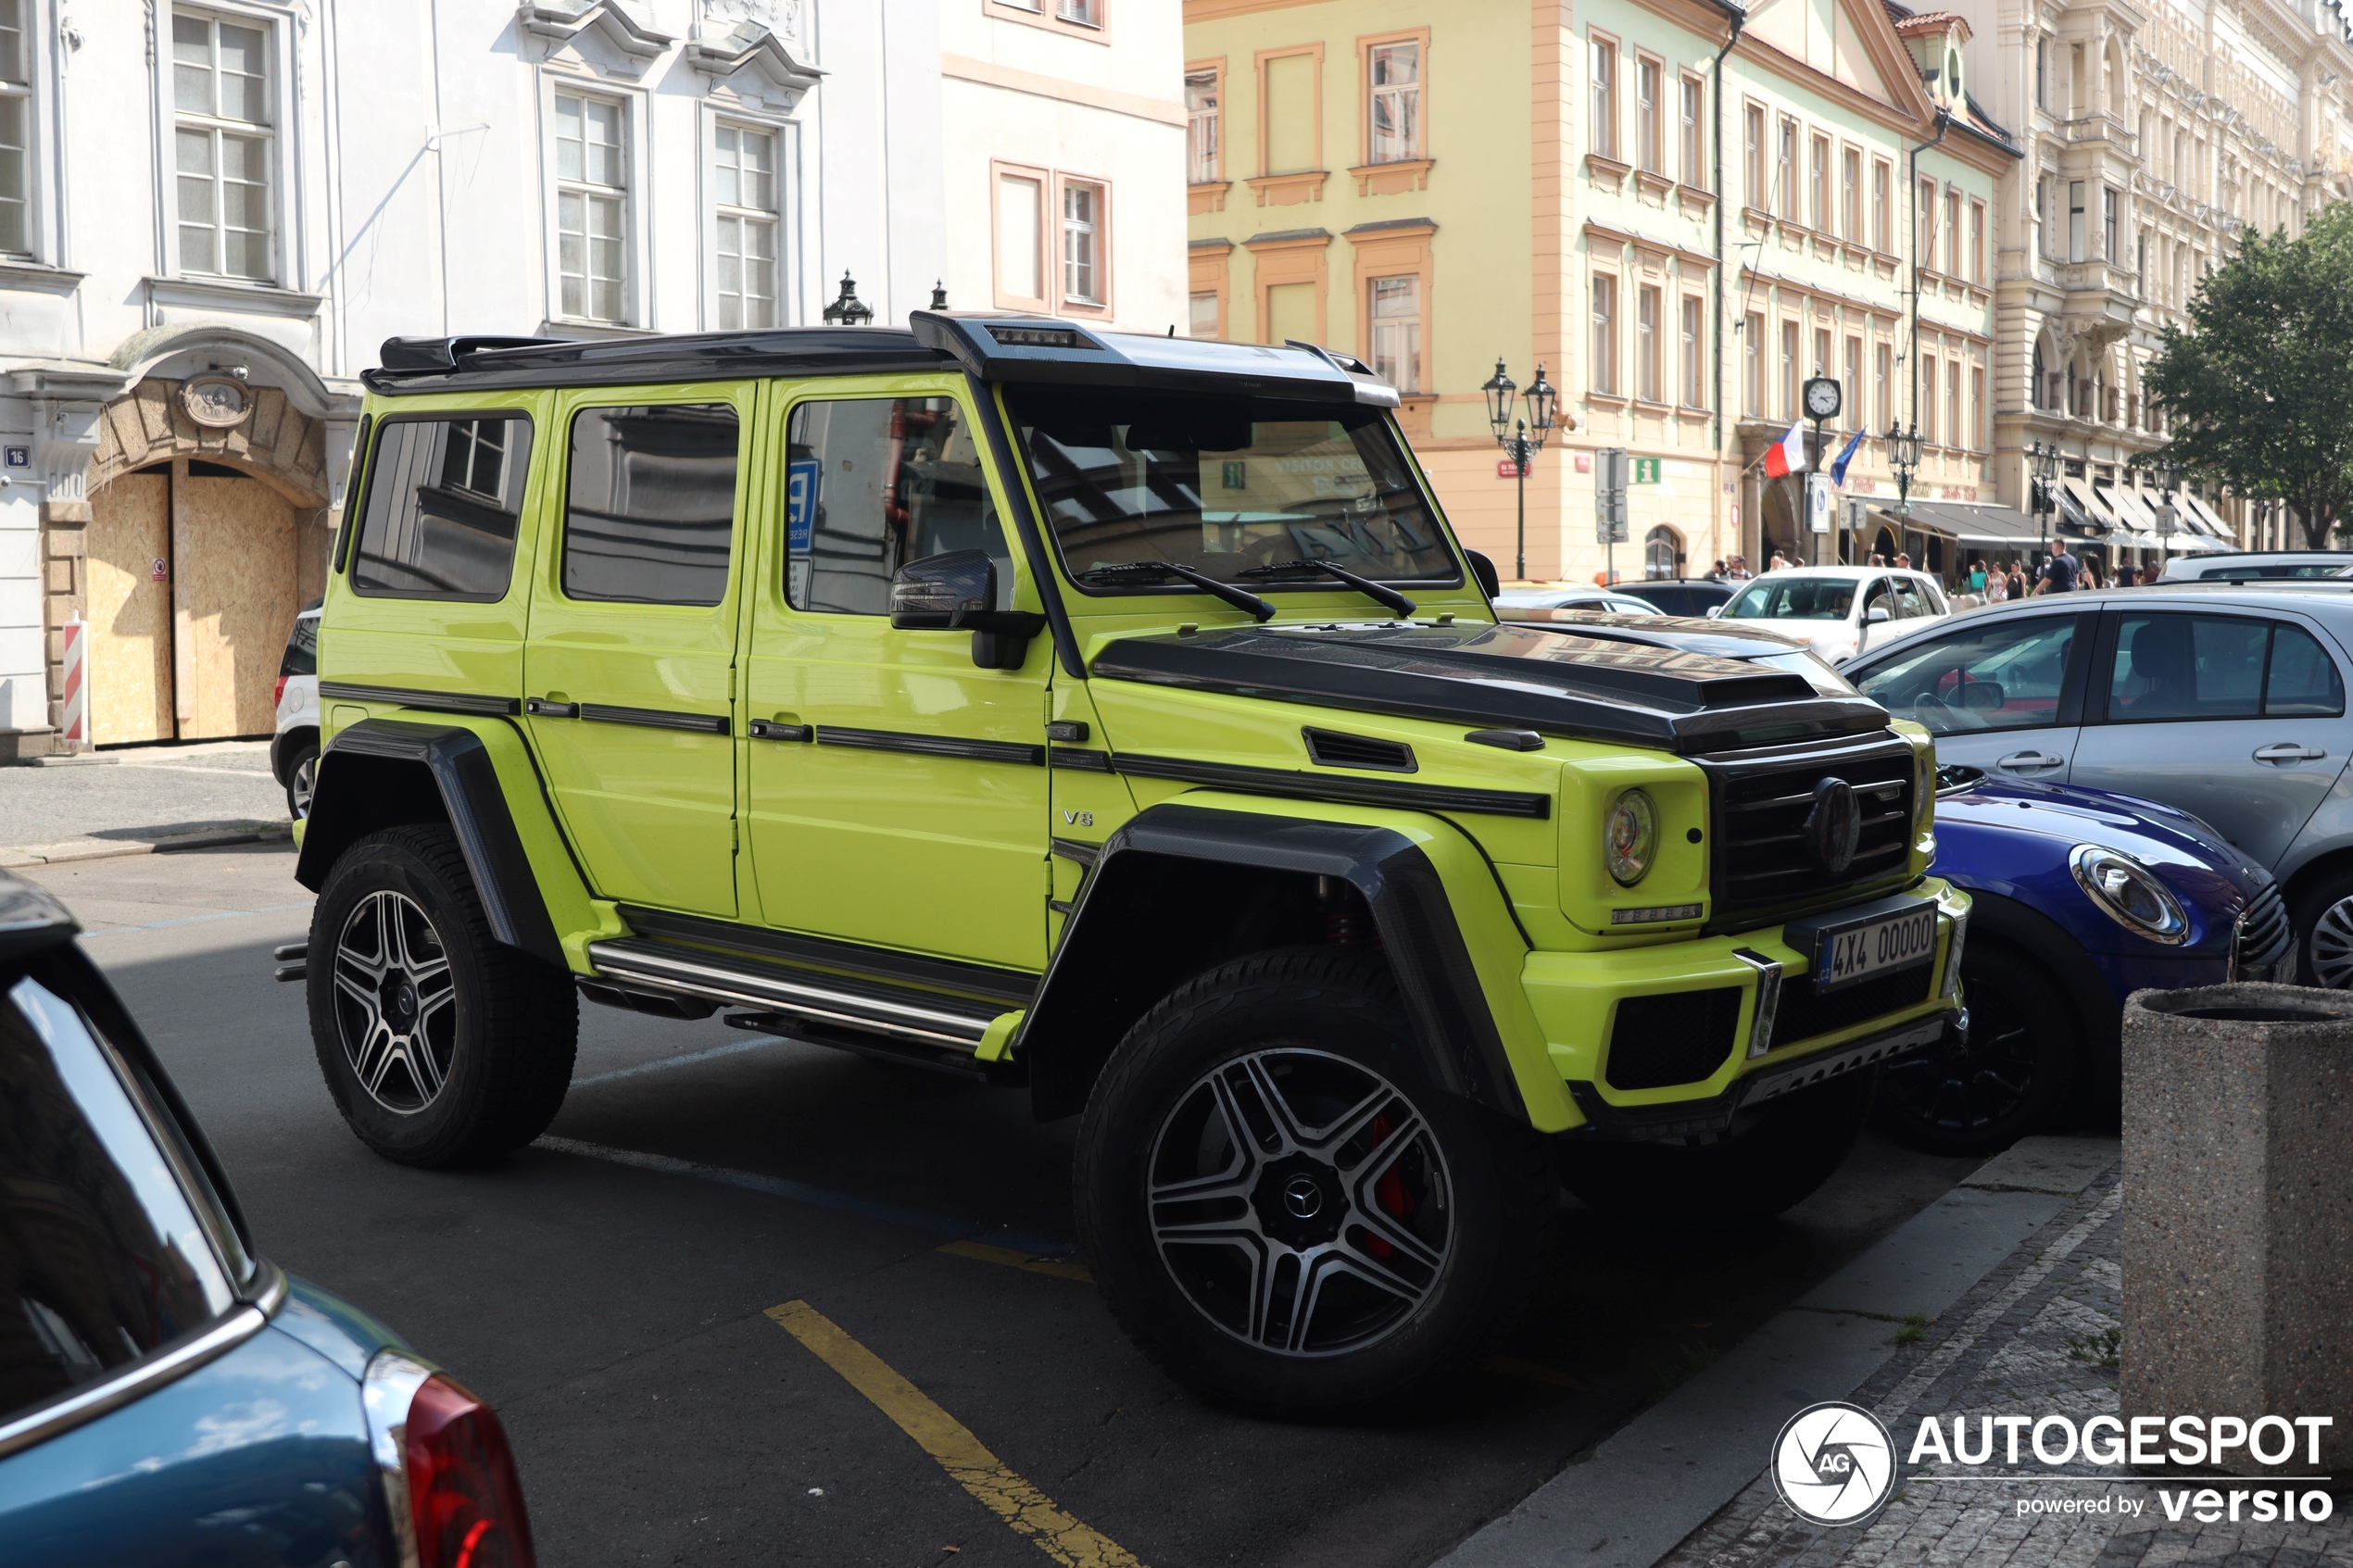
point(1611, 689)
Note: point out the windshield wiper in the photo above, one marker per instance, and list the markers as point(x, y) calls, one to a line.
point(1382, 594)
point(1240, 598)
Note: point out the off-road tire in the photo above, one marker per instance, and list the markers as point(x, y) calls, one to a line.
point(1774, 1158)
point(516, 1018)
point(2016, 1075)
point(1335, 1012)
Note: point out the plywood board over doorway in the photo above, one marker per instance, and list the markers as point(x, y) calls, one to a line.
point(131, 609)
point(234, 600)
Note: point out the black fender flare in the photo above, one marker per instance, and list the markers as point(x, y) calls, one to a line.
point(383, 772)
point(2043, 941)
point(1171, 859)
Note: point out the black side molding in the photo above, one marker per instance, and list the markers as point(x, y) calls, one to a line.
point(933, 745)
point(369, 778)
point(447, 702)
point(1331, 786)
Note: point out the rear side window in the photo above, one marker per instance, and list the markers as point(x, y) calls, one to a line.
point(302, 647)
point(2174, 667)
point(104, 1258)
point(444, 500)
point(875, 484)
point(649, 504)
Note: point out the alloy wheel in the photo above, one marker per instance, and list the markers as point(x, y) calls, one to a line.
point(301, 786)
point(2332, 945)
point(1964, 1083)
point(1301, 1201)
point(394, 999)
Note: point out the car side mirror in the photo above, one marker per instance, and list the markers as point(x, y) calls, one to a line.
point(1489, 583)
point(1874, 615)
point(1983, 696)
point(957, 591)
point(1714, 612)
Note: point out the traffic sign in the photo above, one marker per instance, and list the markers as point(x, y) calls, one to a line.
point(1646, 469)
point(1507, 469)
point(1817, 502)
point(1609, 495)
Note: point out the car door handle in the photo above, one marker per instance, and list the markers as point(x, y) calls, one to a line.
point(2017, 761)
point(2288, 751)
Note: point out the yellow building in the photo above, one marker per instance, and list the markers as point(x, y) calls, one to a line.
point(1678, 236)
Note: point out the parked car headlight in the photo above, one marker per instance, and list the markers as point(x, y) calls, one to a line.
point(2129, 894)
point(1630, 837)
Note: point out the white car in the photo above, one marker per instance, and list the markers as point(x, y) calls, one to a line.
point(1840, 610)
point(1607, 601)
point(293, 752)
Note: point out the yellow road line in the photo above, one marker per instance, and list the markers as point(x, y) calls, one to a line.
point(1024, 1509)
point(1060, 1268)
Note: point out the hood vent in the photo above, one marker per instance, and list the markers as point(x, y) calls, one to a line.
point(1330, 748)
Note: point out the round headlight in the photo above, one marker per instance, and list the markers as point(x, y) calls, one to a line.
point(2129, 894)
point(1629, 836)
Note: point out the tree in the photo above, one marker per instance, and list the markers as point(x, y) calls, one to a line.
point(2259, 388)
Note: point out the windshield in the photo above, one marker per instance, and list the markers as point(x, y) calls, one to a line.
point(1225, 486)
point(1785, 597)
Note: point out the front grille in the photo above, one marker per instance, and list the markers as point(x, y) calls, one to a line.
point(1334, 748)
point(1805, 1012)
point(2264, 936)
point(1762, 860)
point(1675, 1037)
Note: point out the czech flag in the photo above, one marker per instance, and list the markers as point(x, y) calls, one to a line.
point(1788, 453)
point(1837, 464)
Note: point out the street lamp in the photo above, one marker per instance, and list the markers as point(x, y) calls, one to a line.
point(1903, 456)
point(2044, 457)
point(848, 310)
point(1518, 445)
point(2168, 475)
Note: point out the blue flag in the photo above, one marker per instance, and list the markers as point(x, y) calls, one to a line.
point(1837, 464)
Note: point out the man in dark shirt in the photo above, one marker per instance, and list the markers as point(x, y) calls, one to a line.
point(2059, 574)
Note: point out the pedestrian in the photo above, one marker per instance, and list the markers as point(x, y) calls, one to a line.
point(1903, 561)
point(1779, 563)
point(2059, 573)
point(1716, 573)
point(1977, 577)
point(2091, 573)
point(1998, 586)
point(2018, 580)
point(1740, 571)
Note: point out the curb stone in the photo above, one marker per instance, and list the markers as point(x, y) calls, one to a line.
point(109, 849)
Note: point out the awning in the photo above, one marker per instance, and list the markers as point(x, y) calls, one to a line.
point(2207, 521)
point(2130, 508)
point(2090, 506)
point(1967, 523)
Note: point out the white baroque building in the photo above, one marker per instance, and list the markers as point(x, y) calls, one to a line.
point(2155, 133)
point(211, 215)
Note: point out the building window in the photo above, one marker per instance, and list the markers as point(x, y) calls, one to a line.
point(1853, 386)
point(746, 199)
point(1020, 218)
point(1952, 233)
point(1977, 241)
point(1881, 397)
point(220, 134)
point(2108, 224)
point(1082, 244)
point(1694, 362)
point(15, 161)
point(1695, 113)
point(1823, 364)
point(1649, 80)
point(1753, 370)
point(1926, 401)
point(1759, 195)
point(1396, 89)
point(592, 194)
point(2042, 73)
point(1646, 344)
point(1662, 553)
point(1789, 370)
point(1924, 227)
point(2075, 221)
point(1604, 88)
point(1955, 431)
point(1977, 435)
point(1818, 186)
point(1086, 13)
point(1850, 196)
point(1202, 319)
point(1881, 175)
point(1397, 332)
point(1785, 169)
point(1201, 125)
point(1604, 333)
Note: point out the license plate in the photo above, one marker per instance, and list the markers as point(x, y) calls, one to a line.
point(1889, 943)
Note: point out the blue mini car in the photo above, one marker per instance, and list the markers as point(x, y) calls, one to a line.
point(2080, 897)
point(167, 1397)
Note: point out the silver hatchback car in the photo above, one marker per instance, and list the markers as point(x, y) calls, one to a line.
point(2225, 699)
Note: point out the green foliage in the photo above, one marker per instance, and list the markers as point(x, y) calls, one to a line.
point(2258, 385)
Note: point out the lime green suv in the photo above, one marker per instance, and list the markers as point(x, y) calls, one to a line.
point(1113, 716)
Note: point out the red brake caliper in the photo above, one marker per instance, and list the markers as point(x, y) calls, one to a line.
point(1389, 1191)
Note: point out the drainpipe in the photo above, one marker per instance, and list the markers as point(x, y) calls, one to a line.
point(1912, 196)
point(1738, 19)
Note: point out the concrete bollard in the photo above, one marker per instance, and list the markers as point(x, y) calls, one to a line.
point(2238, 1213)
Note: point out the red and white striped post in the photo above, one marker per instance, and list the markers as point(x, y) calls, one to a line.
point(74, 726)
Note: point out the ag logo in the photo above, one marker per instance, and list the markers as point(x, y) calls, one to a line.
point(1833, 1464)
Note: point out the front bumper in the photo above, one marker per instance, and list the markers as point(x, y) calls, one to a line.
point(1690, 1049)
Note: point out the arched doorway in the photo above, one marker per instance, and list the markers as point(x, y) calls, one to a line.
point(204, 536)
point(1662, 553)
point(1883, 546)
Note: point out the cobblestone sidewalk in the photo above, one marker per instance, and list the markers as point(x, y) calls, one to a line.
point(2036, 1337)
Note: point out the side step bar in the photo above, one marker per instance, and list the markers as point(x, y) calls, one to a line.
point(653, 966)
point(956, 1061)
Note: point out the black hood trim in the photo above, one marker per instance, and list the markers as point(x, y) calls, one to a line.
point(1356, 790)
point(1510, 677)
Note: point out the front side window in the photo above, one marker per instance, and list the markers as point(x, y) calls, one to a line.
point(220, 94)
point(592, 195)
point(746, 187)
point(876, 482)
point(1783, 595)
point(1242, 488)
point(111, 1245)
point(443, 498)
point(2175, 667)
point(1201, 126)
point(1397, 331)
point(649, 504)
point(1082, 239)
point(1396, 91)
point(2007, 675)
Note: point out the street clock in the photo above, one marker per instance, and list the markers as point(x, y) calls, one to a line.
point(1821, 398)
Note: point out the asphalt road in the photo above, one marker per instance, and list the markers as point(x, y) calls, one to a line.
point(616, 1309)
point(139, 793)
